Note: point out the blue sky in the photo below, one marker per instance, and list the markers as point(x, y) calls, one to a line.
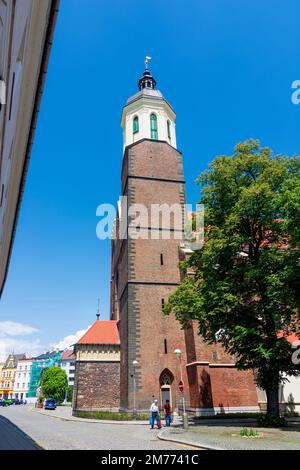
point(225, 66)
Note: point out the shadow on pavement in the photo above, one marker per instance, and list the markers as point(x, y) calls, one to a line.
point(13, 438)
point(291, 425)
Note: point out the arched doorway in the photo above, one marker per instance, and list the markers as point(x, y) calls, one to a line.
point(165, 384)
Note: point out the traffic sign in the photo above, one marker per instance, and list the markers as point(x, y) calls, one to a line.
point(180, 386)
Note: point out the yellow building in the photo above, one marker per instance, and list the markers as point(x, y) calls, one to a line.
point(8, 374)
point(1, 367)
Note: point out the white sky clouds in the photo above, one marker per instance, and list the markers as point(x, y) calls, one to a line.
point(10, 341)
point(14, 339)
point(67, 341)
point(10, 328)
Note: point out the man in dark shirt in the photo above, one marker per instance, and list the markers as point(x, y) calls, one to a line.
point(168, 413)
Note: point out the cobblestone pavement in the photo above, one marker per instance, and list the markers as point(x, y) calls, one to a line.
point(228, 437)
point(52, 433)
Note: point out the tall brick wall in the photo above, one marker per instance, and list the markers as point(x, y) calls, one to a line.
point(198, 349)
point(232, 388)
point(146, 343)
point(152, 174)
point(97, 386)
point(216, 383)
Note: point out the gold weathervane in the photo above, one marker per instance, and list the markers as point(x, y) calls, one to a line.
point(147, 61)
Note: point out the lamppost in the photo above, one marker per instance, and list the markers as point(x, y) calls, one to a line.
point(178, 354)
point(134, 363)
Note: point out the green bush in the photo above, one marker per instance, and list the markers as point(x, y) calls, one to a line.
point(69, 394)
point(110, 415)
point(268, 421)
point(248, 433)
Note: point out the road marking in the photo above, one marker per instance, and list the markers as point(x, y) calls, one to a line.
point(188, 447)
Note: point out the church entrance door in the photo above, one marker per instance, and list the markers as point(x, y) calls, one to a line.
point(165, 381)
point(165, 394)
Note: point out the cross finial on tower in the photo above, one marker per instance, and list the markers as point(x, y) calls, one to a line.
point(98, 311)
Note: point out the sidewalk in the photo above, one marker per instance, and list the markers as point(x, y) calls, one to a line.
point(222, 437)
point(65, 413)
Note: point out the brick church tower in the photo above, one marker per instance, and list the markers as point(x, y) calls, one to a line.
point(145, 272)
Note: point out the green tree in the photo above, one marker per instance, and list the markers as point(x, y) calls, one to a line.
point(70, 394)
point(245, 290)
point(54, 384)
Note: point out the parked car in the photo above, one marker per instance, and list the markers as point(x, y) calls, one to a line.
point(8, 402)
point(2, 402)
point(50, 404)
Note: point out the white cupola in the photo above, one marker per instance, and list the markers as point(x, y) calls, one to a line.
point(147, 115)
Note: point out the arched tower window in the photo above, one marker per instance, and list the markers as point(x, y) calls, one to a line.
point(169, 129)
point(135, 124)
point(153, 126)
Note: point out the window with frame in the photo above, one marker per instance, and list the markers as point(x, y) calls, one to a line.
point(135, 124)
point(153, 126)
point(169, 129)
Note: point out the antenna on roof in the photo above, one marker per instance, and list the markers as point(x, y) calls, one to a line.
point(98, 311)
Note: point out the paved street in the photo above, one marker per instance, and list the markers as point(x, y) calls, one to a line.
point(12, 438)
point(53, 433)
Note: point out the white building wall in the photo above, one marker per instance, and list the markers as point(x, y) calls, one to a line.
point(22, 379)
point(290, 394)
point(69, 368)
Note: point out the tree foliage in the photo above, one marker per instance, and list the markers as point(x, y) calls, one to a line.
point(54, 384)
point(245, 291)
point(70, 394)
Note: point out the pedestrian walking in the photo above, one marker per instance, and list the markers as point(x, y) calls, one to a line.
point(154, 415)
point(168, 413)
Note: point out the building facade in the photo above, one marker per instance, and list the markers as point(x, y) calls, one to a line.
point(145, 272)
point(22, 379)
point(26, 35)
point(8, 375)
point(68, 365)
point(97, 375)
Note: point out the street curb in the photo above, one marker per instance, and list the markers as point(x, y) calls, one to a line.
point(186, 442)
point(92, 421)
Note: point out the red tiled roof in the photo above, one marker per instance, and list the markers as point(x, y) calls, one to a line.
point(101, 332)
point(68, 355)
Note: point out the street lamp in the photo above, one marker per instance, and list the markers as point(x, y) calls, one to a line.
point(178, 354)
point(135, 364)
